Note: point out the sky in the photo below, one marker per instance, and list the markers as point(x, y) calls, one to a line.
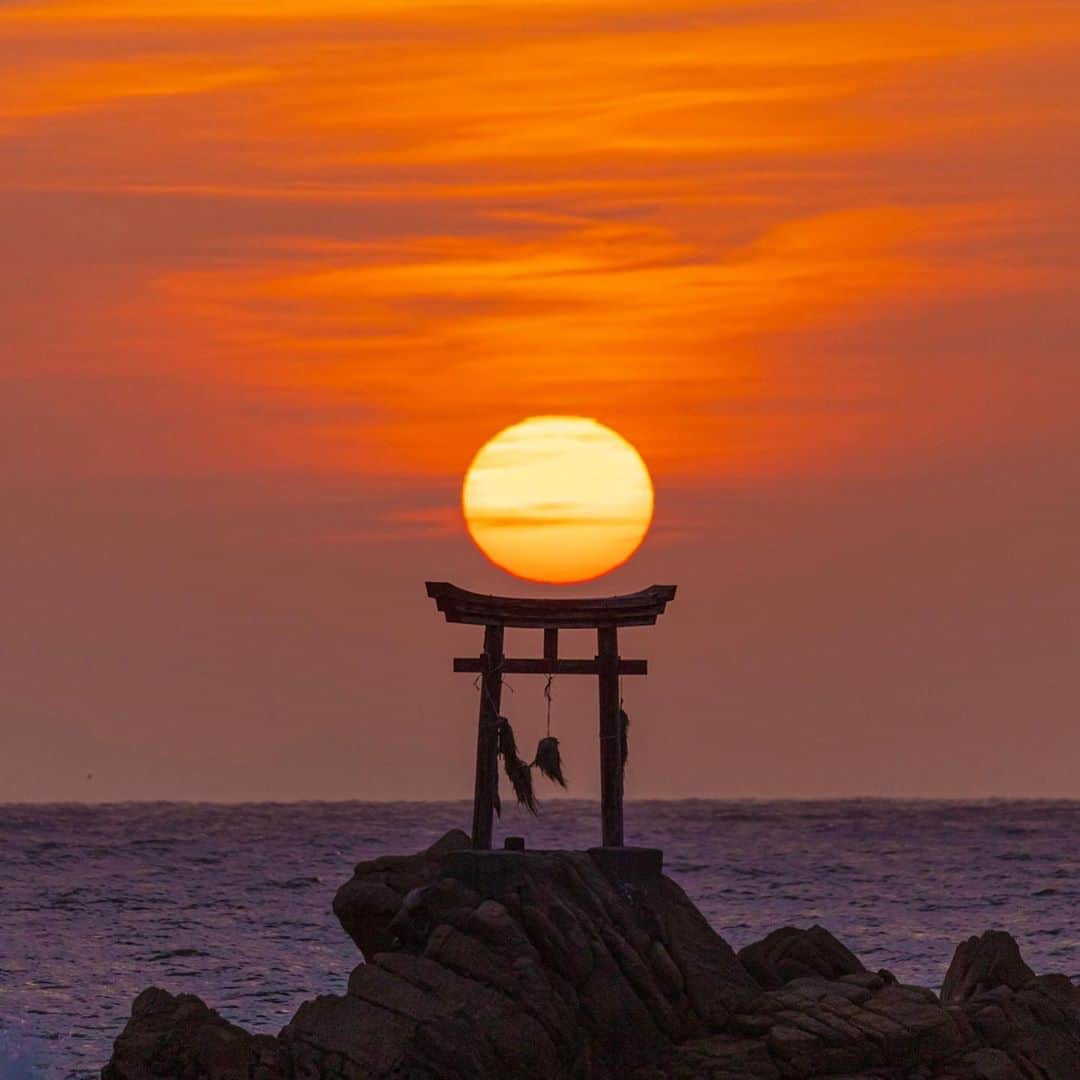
point(273, 272)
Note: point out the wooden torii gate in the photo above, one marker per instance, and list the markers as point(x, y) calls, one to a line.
point(605, 616)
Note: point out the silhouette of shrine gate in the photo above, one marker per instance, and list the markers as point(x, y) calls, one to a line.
point(605, 616)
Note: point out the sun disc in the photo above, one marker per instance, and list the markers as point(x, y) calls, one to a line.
point(558, 499)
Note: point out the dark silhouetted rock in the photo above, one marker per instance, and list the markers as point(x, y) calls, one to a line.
point(366, 904)
point(179, 1038)
point(557, 969)
point(790, 953)
point(985, 963)
point(552, 966)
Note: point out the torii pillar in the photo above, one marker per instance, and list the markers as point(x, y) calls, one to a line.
point(605, 616)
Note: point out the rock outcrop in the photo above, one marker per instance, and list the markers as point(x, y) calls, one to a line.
point(546, 968)
point(180, 1037)
point(366, 904)
point(788, 954)
point(574, 965)
point(985, 963)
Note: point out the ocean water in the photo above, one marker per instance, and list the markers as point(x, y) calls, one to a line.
point(233, 902)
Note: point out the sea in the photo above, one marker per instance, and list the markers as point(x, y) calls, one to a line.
point(233, 902)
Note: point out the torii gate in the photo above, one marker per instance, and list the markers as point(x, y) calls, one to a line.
point(605, 616)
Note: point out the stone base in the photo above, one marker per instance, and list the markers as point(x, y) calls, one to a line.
point(634, 865)
point(489, 873)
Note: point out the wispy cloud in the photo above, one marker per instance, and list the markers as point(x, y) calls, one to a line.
point(447, 217)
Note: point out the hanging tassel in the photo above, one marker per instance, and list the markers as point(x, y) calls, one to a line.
point(517, 771)
point(507, 742)
point(496, 802)
point(549, 761)
point(520, 776)
point(624, 738)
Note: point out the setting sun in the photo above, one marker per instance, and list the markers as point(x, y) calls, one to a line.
point(558, 499)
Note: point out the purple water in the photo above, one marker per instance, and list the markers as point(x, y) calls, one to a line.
point(233, 903)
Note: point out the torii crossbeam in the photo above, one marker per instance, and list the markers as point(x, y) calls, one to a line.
point(604, 615)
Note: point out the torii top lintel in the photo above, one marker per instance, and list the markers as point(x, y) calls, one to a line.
point(631, 609)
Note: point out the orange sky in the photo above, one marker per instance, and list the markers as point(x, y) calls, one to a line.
point(273, 272)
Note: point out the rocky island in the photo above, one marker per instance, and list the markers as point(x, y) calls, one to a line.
point(595, 965)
